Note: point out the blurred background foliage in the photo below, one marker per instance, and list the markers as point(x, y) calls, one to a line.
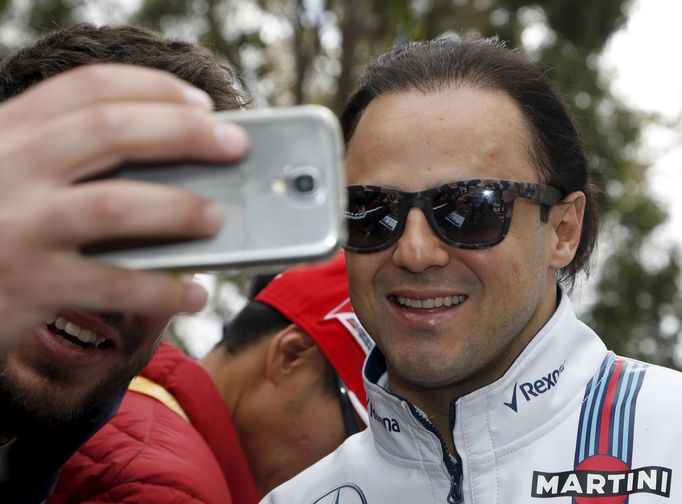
point(312, 51)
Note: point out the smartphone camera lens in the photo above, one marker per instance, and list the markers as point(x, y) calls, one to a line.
point(304, 183)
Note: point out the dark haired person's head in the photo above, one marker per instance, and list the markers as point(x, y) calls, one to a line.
point(468, 197)
point(555, 145)
point(289, 360)
point(85, 44)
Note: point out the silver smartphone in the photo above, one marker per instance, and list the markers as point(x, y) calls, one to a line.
point(282, 203)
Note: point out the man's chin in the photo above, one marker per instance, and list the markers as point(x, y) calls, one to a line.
point(38, 408)
point(55, 397)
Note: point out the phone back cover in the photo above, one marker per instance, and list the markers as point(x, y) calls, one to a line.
point(266, 219)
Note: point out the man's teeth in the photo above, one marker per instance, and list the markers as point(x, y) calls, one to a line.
point(435, 302)
point(84, 335)
point(66, 342)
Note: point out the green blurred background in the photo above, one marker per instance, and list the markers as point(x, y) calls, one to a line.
point(297, 51)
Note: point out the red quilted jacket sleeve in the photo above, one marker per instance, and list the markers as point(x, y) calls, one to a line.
point(146, 454)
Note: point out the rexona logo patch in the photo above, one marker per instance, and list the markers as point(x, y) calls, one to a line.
point(603, 472)
point(344, 494)
point(531, 390)
point(390, 424)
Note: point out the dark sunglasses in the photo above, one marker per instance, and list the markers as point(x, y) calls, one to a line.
point(468, 214)
point(347, 410)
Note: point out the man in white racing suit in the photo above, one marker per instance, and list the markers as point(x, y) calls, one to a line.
point(568, 419)
point(470, 209)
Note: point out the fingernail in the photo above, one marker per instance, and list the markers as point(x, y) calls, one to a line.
point(231, 138)
point(212, 216)
point(196, 296)
point(199, 98)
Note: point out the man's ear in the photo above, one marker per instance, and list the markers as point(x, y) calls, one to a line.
point(288, 350)
point(567, 220)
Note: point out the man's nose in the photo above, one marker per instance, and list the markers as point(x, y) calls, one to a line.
point(419, 249)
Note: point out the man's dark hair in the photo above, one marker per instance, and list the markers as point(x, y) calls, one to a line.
point(85, 44)
point(259, 283)
point(257, 321)
point(450, 62)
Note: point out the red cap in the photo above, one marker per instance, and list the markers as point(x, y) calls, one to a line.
point(316, 299)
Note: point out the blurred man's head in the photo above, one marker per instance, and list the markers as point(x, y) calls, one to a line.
point(289, 369)
point(77, 358)
point(85, 44)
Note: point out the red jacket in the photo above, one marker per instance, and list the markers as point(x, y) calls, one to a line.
point(149, 453)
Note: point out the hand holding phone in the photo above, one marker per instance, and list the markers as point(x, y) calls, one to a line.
point(55, 134)
point(282, 202)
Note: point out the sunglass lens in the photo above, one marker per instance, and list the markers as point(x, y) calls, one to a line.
point(472, 216)
point(372, 218)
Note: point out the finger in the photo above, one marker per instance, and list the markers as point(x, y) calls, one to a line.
point(87, 142)
point(89, 285)
point(91, 84)
point(110, 209)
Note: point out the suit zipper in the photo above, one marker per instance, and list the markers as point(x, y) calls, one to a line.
point(454, 470)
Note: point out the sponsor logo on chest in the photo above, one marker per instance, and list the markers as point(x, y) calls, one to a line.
point(599, 477)
point(390, 424)
point(532, 389)
point(602, 471)
point(344, 494)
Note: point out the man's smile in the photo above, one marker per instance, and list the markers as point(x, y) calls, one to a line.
point(70, 334)
point(80, 339)
point(429, 302)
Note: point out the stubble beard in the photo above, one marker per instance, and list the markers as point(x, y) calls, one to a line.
point(26, 408)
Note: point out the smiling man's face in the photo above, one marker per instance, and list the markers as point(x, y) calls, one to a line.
point(449, 318)
point(68, 364)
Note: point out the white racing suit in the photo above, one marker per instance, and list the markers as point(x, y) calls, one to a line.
point(568, 423)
